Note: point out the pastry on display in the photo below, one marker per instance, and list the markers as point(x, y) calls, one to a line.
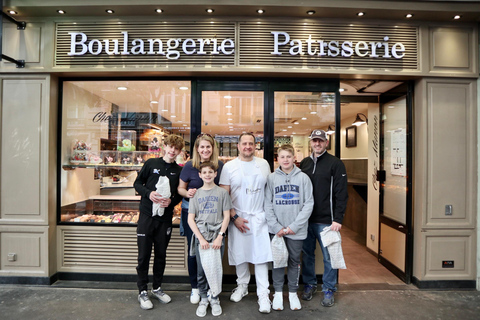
point(109, 157)
point(94, 158)
point(79, 152)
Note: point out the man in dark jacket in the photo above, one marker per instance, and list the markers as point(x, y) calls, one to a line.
point(155, 229)
point(329, 179)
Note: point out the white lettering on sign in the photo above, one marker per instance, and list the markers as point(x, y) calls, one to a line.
point(171, 48)
point(336, 48)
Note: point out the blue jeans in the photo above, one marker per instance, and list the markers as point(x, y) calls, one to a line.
point(308, 261)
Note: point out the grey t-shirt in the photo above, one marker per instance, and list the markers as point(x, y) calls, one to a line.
point(208, 206)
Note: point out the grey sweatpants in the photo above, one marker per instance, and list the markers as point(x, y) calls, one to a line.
point(294, 248)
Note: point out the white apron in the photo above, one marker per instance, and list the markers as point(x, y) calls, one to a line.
point(254, 245)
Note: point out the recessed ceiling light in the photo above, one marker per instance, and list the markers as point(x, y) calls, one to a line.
point(284, 129)
point(296, 122)
point(229, 113)
point(304, 118)
point(230, 129)
point(361, 14)
point(173, 116)
point(341, 89)
point(289, 127)
point(210, 10)
point(122, 88)
point(311, 12)
point(183, 88)
point(457, 17)
point(391, 107)
point(61, 11)
point(313, 112)
point(408, 15)
point(228, 107)
point(154, 102)
point(260, 11)
point(109, 11)
point(185, 125)
point(229, 119)
point(12, 12)
point(227, 97)
point(294, 133)
point(158, 10)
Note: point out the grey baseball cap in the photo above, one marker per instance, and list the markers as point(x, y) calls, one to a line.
point(318, 134)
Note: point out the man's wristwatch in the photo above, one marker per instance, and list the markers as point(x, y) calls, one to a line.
point(234, 217)
point(221, 234)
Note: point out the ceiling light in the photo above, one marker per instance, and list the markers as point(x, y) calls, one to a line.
point(109, 11)
point(312, 112)
point(183, 88)
point(154, 102)
point(289, 127)
point(391, 107)
point(359, 121)
point(408, 15)
point(284, 129)
point(158, 10)
point(361, 14)
point(296, 122)
point(294, 133)
point(228, 107)
point(341, 89)
point(457, 17)
point(260, 11)
point(12, 12)
point(304, 118)
point(164, 110)
point(311, 12)
point(61, 11)
point(229, 113)
point(122, 88)
point(210, 10)
point(173, 116)
point(185, 125)
point(227, 97)
point(229, 119)
point(230, 129)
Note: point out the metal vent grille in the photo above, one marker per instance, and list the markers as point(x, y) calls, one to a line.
point(142, 30)
point(112, 249)
point(257, 43)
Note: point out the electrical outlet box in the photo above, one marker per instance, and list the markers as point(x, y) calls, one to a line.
point(448, 210)
point(372, 237)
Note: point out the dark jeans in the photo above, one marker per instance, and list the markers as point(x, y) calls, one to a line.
point(152, 232)
point(192, 262)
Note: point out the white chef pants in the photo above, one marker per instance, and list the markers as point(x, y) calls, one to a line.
point(261, 276)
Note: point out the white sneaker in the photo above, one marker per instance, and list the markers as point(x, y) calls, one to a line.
point(216, 308)
point(239, 292)
point(294, 302)
point(264, 303)
point(277, 301)
point(202, 308)
point(195, 296)
point(144, 300)
point(160, 295)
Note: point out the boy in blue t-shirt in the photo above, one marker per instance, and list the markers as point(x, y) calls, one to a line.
point(208, 217)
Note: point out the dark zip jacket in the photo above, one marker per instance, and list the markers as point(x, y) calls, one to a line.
point(330, 195)
point(148, 178)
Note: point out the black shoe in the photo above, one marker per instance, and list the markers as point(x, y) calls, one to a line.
point(328, 299)
point(308, 291)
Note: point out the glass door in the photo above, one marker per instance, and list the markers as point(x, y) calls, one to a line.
point(395, 182)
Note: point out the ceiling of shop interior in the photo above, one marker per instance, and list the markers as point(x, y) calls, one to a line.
point(337, 9)
point(175, 102)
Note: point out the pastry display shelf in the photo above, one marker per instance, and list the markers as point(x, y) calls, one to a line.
point(101, 166)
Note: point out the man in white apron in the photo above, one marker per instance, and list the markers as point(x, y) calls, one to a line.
point(245, 178)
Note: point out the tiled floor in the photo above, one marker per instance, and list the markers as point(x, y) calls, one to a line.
point(362, 266)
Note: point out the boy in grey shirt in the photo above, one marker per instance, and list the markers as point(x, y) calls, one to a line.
point(288, 205)
point(208, 217)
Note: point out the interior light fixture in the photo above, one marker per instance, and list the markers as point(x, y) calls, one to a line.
point(229, 119)
point(457, 17)
point(164, 110)
point(183, 88)
point(109, 11)
point(61, 11)
point(311, 12)
point(158, 10)
point(331, 129)
point(294, 133)
point(312, 112)
point(360, 14)
point(408, 15)
point(122, 88)
point(229, 113)
point(210, 10)
point(12, 12)
point(173, 116)
point(227, 97)
point(289, 127)
point(296, 122)
point(154, 102)
point(304, 118)
point(228, 107)
point(359, 121)
point(284, 129)
point(260, 11)
point(341, 90)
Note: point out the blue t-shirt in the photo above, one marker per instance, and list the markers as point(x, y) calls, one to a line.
point(190, 175)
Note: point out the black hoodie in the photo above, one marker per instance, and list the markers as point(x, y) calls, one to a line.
point(329, 179)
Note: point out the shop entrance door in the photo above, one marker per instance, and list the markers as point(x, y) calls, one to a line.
point(395, 176)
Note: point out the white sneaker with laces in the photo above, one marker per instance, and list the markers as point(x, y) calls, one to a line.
point(216, 308)
point(195, 296)
point(202, 308)
point(239, 292)
point(144, 300)
point(294, 302)
point(277, 301)
point(160, 295)
point(264, 303)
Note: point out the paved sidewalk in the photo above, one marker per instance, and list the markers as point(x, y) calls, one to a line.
point(62, 302)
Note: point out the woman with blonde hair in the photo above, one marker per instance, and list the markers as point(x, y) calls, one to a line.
point(205, 149)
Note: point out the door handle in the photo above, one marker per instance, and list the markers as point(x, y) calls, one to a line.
point(381, 175)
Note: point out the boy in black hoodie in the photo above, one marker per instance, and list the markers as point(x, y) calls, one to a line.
point(156, 230)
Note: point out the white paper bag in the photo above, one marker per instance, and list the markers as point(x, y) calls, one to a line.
point(211, 260)
point(279, 252)
point(333, 241)
point(163, 188)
